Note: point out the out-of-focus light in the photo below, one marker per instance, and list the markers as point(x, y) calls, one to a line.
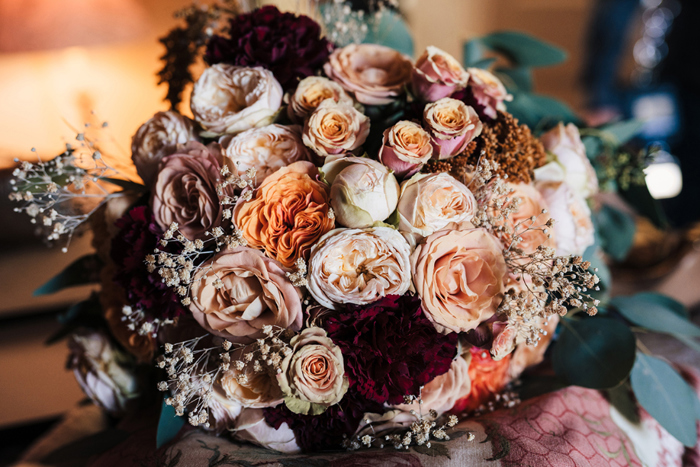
point(664, 178)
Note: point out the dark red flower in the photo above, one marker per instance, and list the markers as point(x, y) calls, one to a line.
point(390, 348)
point(138, 236)
point(290, 46)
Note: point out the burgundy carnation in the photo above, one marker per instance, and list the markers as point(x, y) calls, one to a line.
point(327, 430)
point(390, 348)
point(138, 236)
point(290, 46)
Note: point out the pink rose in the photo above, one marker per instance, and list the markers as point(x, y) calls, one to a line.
point(488, 91)
point(185, 190)
point(504, 341)
point(241, 291)
point(437, 74)
point(335, 128)
point(452, 125)
point(573, 227)
point(459, 276)
point(531, 233)
point(571, 165)
point(405, 148)
point(375, 74)
point(309, 94)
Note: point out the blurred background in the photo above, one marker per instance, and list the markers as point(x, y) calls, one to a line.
point(66, 63)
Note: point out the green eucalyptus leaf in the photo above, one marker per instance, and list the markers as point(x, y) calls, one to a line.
point(593, 146)
point(655, 312)
point(595, 352)
point(523, 49)
point(533, 109)
point(169, 425)
point(662, 392)
point(392, 31)
point(473, 53)
point(84, 270)
point(623, 131)
point(303, 407)
point(639, 198)
point(516, 79)
point(484, 63)
point(616, 231)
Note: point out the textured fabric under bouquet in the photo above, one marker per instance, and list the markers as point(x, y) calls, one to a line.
point(300, 270)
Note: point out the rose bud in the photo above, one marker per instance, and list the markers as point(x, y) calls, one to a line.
point(452, 125)
point(437, 74)
point(488, 91)
point(310, 93)
point(405, 148)
point(363, 191)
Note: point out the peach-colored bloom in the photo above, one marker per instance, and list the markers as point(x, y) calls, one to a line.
point(452, 125)
point(335, 128)
point(287, 214)
point(488, 377)
point(459, 276)
point(309, 94)
point(437, 74)
point(520, 222)
point(530, 355)
point(241, 291)
point(405, 148)
point(488, 91)
point(374, 74)
point(258, 389)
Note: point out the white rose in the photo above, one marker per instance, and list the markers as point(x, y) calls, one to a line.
point(575, 169)
point(265, 149)
point(573, 228)
point(156, 138)
point(430, 202)
point(359, 266)
point(229, 99)
point(363, 191)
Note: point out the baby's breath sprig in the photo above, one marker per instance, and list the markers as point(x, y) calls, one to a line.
point(137, 320)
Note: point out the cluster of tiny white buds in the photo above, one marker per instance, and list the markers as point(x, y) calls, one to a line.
point(139, 321)
point(298, 277)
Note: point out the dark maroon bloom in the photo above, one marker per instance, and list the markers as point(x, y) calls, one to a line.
point(390, 348)
point(290, 46)
point(326, 431)
point(138, 236)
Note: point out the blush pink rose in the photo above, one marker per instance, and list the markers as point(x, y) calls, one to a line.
point(251, 426)
point(437, 74)
point(374, 74)
point(459, 276)
point(532, 234)
point(184, 190)
point(309, 94)
point(335, 128)
point(452, 125)
point(573, 227)
point(241, 291)
point(406, 146)
point(488, 91)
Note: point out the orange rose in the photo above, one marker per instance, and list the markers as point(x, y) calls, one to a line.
point(488, 377)
point(287, 214)
point(532, 203)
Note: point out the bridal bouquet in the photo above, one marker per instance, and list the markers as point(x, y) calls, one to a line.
point(341, 247)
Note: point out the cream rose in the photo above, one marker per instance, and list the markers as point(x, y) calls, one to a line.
point(358, 266)
point(250, 388)
point(363, 191)
point(159, 137)
point(452, 125)
point(241, 291)
point(488, 91)
point(374, 74)
point(229, 99)
point(430, 202)
point(444, 391)
point(573, 227)
point(459, 276)
point(313, 375)
point(437, 74)
point(223, 411)
point(309, 94)
point(571, 165)
point(265, 149)
point(335, 128)
point(531, 233)
point(405, 148)
point(251, 426)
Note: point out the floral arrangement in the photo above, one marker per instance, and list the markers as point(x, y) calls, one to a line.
point(342, 248)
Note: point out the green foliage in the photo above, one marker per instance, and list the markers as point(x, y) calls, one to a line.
point(615, 231)
point(85, 314)
point(662, 392)
point(303, 407)
point(656, 312)
point(84, 270)
point(595, 353)
point(520, 49)
point(536, 110)
point(391, 31)
point(169, 425)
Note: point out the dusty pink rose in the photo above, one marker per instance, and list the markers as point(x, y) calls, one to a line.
point(503, 342)
point(374, 74)
point(265, 149)
point(247, 387)
point(251, 426)
point(573, 227)
point(532, 234)
point(157, 138)
point(488, 91)
point(406, 146)
point(241, 291)
point(459, 276)
point(314, 373)
point(309, 94)
point(335, 128)
point(452, 125)
point(437, 74)
point(571, 165)
point(185, 190)
point(444, 391)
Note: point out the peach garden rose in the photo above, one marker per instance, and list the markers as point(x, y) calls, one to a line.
point(459, 276)
point(374, 74)
point(335, 128)
point(257, 389)
point(405, 148)
point(488, 91)
point(310, 93)
point(520, 223)
point(452, 124)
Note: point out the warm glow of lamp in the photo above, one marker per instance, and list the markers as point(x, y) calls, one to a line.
point(664, 178)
